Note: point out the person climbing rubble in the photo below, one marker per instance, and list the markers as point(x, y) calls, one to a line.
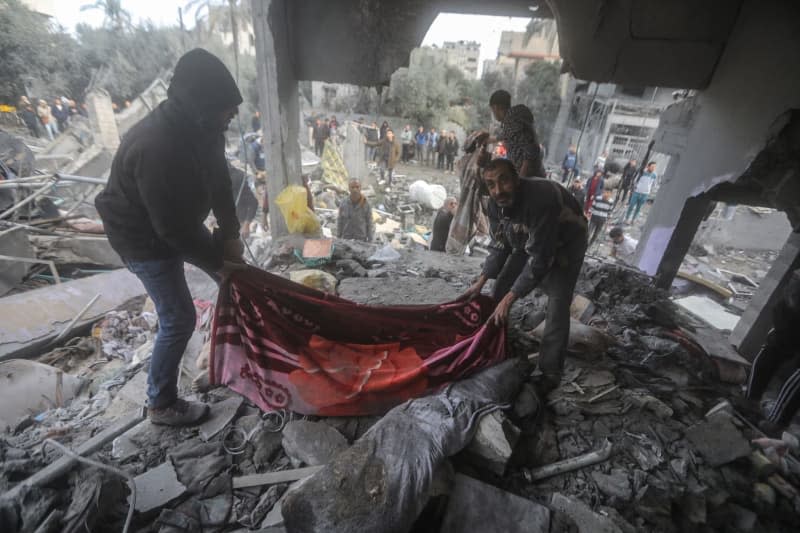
point(355, 216)
point(780, 346)
point(518, 133)
point(168, 173)
point(539, 238)
point(624, 247)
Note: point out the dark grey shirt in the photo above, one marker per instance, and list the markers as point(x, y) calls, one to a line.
point(355, 221)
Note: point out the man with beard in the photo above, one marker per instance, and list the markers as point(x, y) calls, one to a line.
point(538, 240)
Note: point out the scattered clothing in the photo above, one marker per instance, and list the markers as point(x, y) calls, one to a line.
point(355, 220)
point(322, 355)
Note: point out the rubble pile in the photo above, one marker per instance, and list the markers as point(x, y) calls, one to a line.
point(638, 437)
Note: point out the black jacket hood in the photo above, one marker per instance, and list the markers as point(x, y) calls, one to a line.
point(203, 84)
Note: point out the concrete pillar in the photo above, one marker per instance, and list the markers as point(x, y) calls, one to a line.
point(278, 102)
point(102, 119)
point(681, 239)
point(558, 144)
point(751, 331)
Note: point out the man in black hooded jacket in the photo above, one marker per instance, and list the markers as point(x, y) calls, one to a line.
point(168, 173)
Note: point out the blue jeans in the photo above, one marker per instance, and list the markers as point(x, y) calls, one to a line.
point(637, 201)
point(164, 281)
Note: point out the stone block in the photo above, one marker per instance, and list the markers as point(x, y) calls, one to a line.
point(476, 506)
point(494, 441)
point(311, 443)
point(718, 440)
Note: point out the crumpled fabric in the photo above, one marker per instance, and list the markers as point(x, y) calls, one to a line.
point(286, 346)
point(470, 217)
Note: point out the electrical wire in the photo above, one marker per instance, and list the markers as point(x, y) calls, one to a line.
point(101, 466)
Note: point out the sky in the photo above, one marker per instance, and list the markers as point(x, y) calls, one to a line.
point(446, 27)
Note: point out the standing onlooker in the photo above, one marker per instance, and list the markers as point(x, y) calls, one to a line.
point(601, 208)
point(433, 141)
point(451, 150)
point(594, 187)
point(441, 224)
point(407, 139)
point(441, 149)
point(390, 153)
point(628, 173)
point(333, 128)
point(624, 245)
point(46, 119)
point(644, 186)
point(245, 200)
point(576, 188)
point(421, 139)
point(371, 141)
point(384, 127)
point(28, 116)
point(83, 110)
point(320, 135)
point(600, 162)
point(355, 216)
point(569, 165)
point(255, 121)
point(60, 113)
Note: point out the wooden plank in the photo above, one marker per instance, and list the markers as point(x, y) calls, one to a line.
point(273, 478)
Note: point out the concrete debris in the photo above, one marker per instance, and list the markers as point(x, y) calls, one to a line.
point(157, 487)
point(476, 506)
point(709, 311)
point(573, 463)
point(30, 388)
point(494, 442)
point(718, 440)
point(311, 443)
point(316, 279)
point(617, 484)
point(220, 415)
point(587, 520)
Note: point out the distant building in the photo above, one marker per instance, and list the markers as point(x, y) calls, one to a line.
point(326, 95)
point(462, 55)
point(220, 20)
point(518, 49)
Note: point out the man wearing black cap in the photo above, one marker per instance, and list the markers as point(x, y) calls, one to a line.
point(168, 173)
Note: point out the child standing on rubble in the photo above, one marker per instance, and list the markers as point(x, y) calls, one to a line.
point(601, 208)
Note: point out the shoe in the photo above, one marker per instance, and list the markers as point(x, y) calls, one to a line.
point(180, 413)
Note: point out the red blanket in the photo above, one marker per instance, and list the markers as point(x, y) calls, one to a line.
point(286, 346)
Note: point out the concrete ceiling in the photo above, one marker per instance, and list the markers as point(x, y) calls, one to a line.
point(669, 43)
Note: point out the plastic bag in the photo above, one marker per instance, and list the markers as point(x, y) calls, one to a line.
point(383, 481)
point(385, 254)
point(431, 196)
point(292, 201)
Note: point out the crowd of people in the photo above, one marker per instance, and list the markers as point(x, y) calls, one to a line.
point(427, 147)
point(48, 119)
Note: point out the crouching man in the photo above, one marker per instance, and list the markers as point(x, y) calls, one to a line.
point(538, 239)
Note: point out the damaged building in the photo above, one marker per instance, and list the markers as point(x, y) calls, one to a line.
point(648, 429)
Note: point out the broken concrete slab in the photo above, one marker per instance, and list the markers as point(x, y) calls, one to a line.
point(494, 441)
point(125, 446)
point(587, 520)
point(273, 478)
point(583, 339)
point(77, 250)
point(135, 390)
point(220, 415)
point(718, 440)
point(709, 311)
point(476, 506)
point(157, 487)
point(30, 387)
point(617, 484)
point(311, 443)
point(30, 320)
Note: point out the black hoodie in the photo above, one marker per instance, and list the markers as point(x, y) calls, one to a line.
point(170, 171)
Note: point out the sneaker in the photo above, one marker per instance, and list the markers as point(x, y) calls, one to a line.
point(180, 413)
